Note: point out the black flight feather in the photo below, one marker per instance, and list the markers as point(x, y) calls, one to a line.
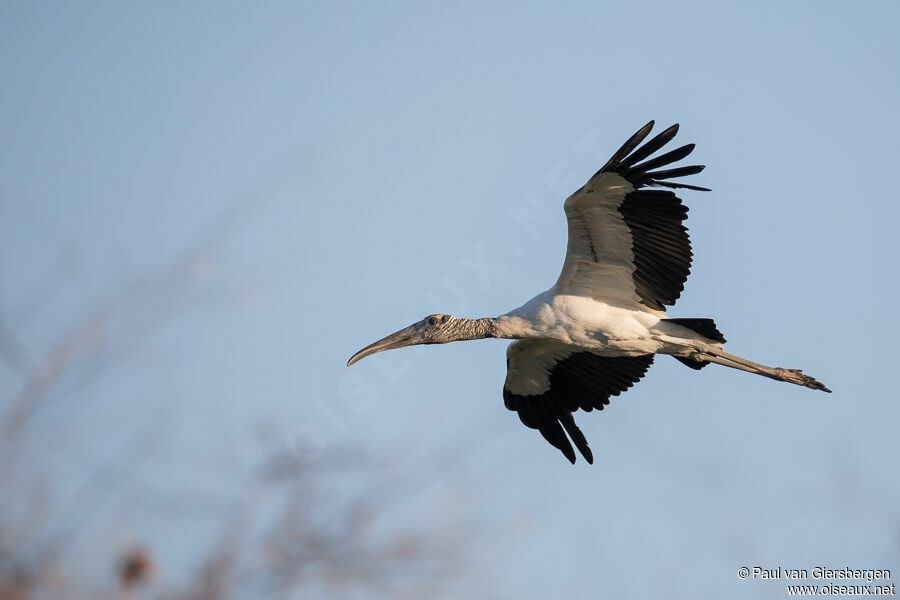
point(649, 148)
point(677, 172)
point(613, 163)
point(661, 160)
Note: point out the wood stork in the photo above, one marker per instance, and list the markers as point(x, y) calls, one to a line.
point(595, 332)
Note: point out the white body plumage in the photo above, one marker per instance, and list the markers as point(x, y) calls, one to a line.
point(605, 329)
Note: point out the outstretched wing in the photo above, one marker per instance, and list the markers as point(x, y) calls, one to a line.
point(626, 243)
point(546, 381)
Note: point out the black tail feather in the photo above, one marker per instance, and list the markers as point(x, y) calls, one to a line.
point(694, 364)
point(705, 327)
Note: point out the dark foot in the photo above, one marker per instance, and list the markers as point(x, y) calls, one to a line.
point(796, 376)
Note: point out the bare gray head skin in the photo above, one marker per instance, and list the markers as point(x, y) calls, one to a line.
point(433, 329)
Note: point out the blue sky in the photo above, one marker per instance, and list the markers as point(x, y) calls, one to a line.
point(372, 161)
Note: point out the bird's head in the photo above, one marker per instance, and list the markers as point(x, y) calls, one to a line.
point(433, 329)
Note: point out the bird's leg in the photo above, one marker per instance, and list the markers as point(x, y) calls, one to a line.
point(795, 376)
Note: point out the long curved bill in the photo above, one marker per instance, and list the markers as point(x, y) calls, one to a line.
point(407, 336)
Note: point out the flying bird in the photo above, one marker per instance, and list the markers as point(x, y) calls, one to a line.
point(595, 333)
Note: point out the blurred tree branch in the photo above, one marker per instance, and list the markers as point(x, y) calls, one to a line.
point(304, 543)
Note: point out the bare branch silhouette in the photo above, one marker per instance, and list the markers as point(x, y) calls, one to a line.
point(305, 541)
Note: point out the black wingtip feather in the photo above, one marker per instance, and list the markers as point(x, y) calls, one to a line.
point(649, 148)
point(613, 163)
point(676, 172)
point(553, 433)
point(677, 186)
point(663, 159)
point(625, 160)
point(568, 422)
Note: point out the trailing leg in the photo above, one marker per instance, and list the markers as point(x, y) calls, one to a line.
point(795, 376)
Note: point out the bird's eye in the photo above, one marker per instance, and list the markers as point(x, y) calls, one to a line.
point(432, 321)
point(445, 318)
